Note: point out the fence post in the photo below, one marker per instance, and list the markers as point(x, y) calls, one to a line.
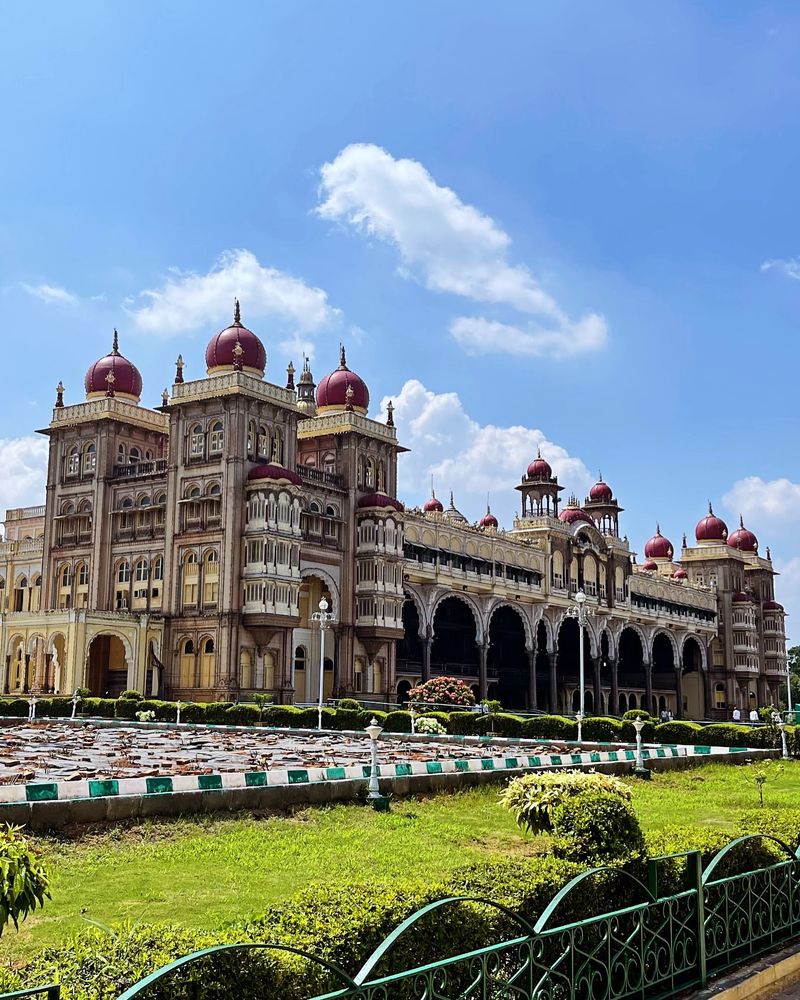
point(694, 876)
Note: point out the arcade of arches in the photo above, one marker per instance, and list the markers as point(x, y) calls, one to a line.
point(656, 675)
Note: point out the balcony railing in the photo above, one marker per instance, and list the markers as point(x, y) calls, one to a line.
point(320, 476)
point(154, 468)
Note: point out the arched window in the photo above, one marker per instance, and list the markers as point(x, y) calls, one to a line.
point(126, 520)
point(66, 577)
point(121, 455)
point(187, 664)
point(196, 441)
point(158, 568)
point(68, 508)
point(214, 490)
point(300, 658)
point(263, 442)
point(277, 447)
point(190, 579)
point(134, 457)
point(124, 572)
point(329, 462)
point(160, 508)
point(85, 507)
point(83, 574)
point(369, 480)
point(314, 507)
point(251, 439)
point(207, 664)
point(141, 571)
point(73, 462)
point(89, 459)
point(217, 440)
point(211, 577)
point(330, 511)
point(144, 501)
point(245, 669)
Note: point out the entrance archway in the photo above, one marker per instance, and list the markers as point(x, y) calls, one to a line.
point(694, 696)
point(307, 635)
point(631, 666)
point(454, 650)
point(402, 692)
point(568, 662)
point(107, 676)
point(665, 680)
point(543, 668)
point(508, 660)
point(409, 648)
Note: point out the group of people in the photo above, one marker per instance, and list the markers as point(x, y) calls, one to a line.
point(754, 716)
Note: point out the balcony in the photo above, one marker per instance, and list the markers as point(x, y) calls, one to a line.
point(312, 475)
point(140, 470)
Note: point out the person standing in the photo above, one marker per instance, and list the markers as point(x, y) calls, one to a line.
point(754, 717)
point(737, 715)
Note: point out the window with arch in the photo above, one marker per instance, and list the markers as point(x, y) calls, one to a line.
point(211, 578)
point(160, 505)
point(217, 438)
point(558, 571)
point(314, 507)
point(719, 696)
point(277, 447)
point(252, 435)
point(89, 459)
point(73, 462)
point(369, 477)
point(122, 455)
point(144, 501)
point(67, 508)
point(263, 442)
point(330, 511)
point(196, 441)
point(190, 579)
point(187, 662)
point(134, 456)
point(158, 568)
point(193, 510)
point(300, 657)
point(142, 571)
point(124, 572)
point(126, 521)
point(85, 507)
point(66, 577)
point(65, 587)
point(21, 594)
point(214, 490)
point(148, 455)
point(245, 668)
point(83, 574)
point(36, 593)
point(207, 663)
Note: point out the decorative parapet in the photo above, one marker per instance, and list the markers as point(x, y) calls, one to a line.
point(344, 423)
point(232, 383)
point(109, 408)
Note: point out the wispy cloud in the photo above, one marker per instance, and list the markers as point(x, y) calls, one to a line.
point(24, 464)
point(790, 267)
point(52, 294)
point(449, 246)
point(188, 301)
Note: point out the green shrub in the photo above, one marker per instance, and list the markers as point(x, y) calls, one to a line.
point(349, 705)
point(366, 717)
point(629, 732)
point(678, 732)
point(308, 718)
point(17, 707)
point(549, 727)
point(102, 708)
point(632, 713)
point(596, 827)
point(132, 695)
point(347, 718)
point(430, 726)
point(725, 734)
point(195, 712)
point(398, 722)
point(443, 718)
point(532, 798)
point(281, 716)
point(463, 723)
point(241, 715)
point(84, 692)
point(492, 704)
point(164, 710)
point(23, 879)
point(783, 823)
point(54, 708)
point(215, 712)
point(126, 709)
point(602, 729)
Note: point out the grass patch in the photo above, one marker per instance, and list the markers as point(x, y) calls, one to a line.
point(208, 871)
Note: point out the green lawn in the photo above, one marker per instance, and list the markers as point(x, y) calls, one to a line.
point(205, 871)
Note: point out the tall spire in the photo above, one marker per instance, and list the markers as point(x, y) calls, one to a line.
point(290, 376)
point(115, 345)
point(237, 315)
point(342, 357)
point(390, 414)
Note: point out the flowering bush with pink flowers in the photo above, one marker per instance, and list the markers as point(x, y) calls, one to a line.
point(442, 691)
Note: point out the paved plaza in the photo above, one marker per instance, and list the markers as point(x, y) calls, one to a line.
point(60, 751)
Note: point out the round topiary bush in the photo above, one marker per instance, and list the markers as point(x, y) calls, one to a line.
point(532, 798)
point(679, 732)
point(596, 826)
point(442, 691)
point(603, 730)
point(131, 695)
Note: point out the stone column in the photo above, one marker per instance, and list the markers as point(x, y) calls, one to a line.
point(614, 688)
point(426, 658)
point(708, 695)
point(648, 686)
point(679, 687)
point(483, 684)
point(553, 699)
point(531, 678)
point(598, 691)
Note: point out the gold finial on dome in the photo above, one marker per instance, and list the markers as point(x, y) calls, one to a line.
point(115, 344)
point(237, 314)
point(60, 394)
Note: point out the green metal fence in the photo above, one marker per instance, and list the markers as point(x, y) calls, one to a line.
point(653, 948)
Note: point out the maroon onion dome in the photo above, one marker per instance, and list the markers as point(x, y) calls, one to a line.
point(711, 528)
point(274, 472)
point(114, 375)
point(380, 500)
point(649, 565)
point(539, 467)
point(658, 547)
point(488, 520)
point(342, 390)
point(772, 606)
point(680, 574)
point(743, 538)
point(601, 492)
point(742, 598)
point(572, 513)
point(236, 349)
point(433, 506)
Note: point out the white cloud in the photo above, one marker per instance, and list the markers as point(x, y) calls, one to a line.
point(790, 267)
point(189, 301)
point(478, 335)
point(764, 502)
point(51, 294)
point(469, 458)
point(446, 245)
point(24, 464)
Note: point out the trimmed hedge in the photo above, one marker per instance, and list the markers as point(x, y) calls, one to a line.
point(679, 732)
point(602, 729)
point(397, 722)
point(549, 727)
point(629, 732)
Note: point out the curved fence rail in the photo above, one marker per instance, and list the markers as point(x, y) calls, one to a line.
point(653, 948)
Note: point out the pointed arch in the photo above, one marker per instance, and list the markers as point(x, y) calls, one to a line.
point(480, 632)
point(526, 625)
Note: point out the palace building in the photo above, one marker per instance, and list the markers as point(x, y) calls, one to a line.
point(182, 550)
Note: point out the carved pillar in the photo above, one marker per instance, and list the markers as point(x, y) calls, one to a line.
point(598, 692)
point(614, 707)
point(483, 685)
point(648, 687)
point(426, 658)
point(552, 706)
point(708, 695)
point(532, 678)
point(679, 688)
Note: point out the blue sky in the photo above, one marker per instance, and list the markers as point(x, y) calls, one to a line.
point(573, 224)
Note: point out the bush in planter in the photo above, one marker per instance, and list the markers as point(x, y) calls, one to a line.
point(725, 734)
point(463, 723)
point(397, 722)
point(102, 708)
point(241, 715)
point(549, 727)
point(602, 729)
point(131, 695)
point(501, 724)
point(442, 691)
point(679, 732)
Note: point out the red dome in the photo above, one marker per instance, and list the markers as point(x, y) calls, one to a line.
point(236, 349)
point(274, 472)
point(539, 468)
point(571, 515)
point(711, 528)
point(680, 574)
point(742, 598)
point(649, 565)
point(743, 539)
point(658, 547)
point(332, 392)
point(601, 492)
point(772, 606)
point(379, 500)
point(113, 375)
point(433, 506)
point(488, 520)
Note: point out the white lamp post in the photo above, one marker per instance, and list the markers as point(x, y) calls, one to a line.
point(325, 619)
point(75, 699)
point(788, 694)
point(581, 614)
point(178, 707)
point(374, 731)
point(638, 725)
point(782, 726)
